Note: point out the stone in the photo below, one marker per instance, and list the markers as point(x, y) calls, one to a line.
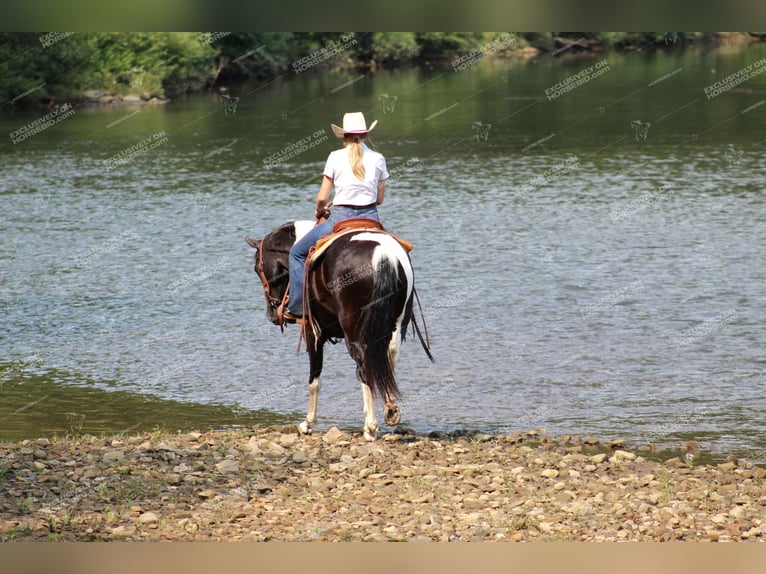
point(123, 531)
point(738, 512)
point(300, 457)
point(590, 440)
point(288, 440)
point(598, 458)
point(227, 466)
point(148, 518)
point(206, 494)
point(549, 473)
point(111, 456)
point(333, 435)
point(727, 466)
point(624, 455)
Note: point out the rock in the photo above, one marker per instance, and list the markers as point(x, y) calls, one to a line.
point(545, 527)
point(300, 457)
point(333, 435)
point(39, 454)
point(206, 494)
point(719, 519)
point(737, 512)
point(288, 440)
point(275, 449)
point(94, 94)
point(131, 99)
point(123, 531)
point(727, 466)
point(598, 458)
point(195, 436)
point(38, 466)
point(148, 518)
point(549, 473)
point(111, 456)
point(623, 455)
point(227, 466)
point(590, 440)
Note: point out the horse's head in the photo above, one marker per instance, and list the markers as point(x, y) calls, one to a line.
point(271, 264)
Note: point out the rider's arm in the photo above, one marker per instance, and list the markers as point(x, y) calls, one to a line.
point(323, 195)
point(381, 191)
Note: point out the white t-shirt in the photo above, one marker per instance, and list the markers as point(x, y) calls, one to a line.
point(349, 190)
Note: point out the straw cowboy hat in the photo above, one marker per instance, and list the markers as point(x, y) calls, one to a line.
point(353, 123)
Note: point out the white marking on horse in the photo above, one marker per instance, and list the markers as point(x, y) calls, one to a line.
point(311, 417)
point(302, 227)
point(391, 249)
point(370, 421)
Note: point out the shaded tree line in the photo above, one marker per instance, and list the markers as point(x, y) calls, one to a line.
point(40, 68)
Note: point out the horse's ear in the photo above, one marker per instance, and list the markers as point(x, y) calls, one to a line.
point(252, 242)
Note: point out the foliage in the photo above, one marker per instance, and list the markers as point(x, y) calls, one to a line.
point(394, 48)
point(257, 55)
point(166, 64)
point(154, 63)
point(32, 73)
point(445, 45)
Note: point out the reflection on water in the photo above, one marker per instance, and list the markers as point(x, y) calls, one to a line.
point(34, 405)
point(593, 264)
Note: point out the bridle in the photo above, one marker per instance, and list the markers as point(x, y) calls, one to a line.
point(259, 268)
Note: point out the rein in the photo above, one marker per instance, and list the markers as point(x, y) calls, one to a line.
point(259, 267)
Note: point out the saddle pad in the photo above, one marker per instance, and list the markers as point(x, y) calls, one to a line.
point(325, 242)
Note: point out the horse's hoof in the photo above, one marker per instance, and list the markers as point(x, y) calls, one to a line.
point(304, 428)
point(370, 436)
point(391, 415)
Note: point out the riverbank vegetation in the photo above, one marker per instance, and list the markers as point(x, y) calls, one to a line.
point(42, 68)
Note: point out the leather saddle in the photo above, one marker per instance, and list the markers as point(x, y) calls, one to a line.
point(348, 225)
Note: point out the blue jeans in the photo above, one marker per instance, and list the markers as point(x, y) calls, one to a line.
point(300, 250)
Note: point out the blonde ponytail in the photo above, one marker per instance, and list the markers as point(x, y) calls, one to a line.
point(355, 154)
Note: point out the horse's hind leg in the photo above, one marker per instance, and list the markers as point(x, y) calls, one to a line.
point(315, 361)
point(356, 350)
point(370, 421)
point(391, 409)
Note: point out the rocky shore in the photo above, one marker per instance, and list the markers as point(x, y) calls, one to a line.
point(266, 484)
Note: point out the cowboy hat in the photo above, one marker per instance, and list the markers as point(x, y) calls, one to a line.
point(353, 123)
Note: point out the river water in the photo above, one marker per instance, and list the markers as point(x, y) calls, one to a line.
point(589, 248)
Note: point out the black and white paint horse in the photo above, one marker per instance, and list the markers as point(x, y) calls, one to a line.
point(360, 289)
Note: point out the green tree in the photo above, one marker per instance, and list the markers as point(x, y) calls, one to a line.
point(153, 63)
point(394, 48)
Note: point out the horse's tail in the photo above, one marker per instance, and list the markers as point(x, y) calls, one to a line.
point(376, 326)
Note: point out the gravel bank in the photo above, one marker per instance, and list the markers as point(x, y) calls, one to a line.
point(271, 484)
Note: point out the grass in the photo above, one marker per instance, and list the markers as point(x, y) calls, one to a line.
point(666, 483)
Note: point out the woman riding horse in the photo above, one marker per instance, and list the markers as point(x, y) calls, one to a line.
point(358, 174)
